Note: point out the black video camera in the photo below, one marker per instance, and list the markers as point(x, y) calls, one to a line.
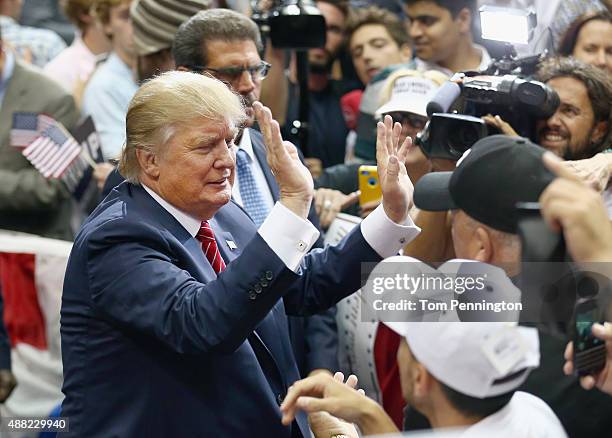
point(505, 88)
point(292, 24)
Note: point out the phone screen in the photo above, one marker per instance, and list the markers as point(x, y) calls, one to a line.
point(584, 322)
point(589, 351)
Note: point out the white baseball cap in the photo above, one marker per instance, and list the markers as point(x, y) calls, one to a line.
point(409, 94)
point(478, 359)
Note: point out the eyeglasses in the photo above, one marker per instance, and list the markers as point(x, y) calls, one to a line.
point(414, 120)
point(232, 74)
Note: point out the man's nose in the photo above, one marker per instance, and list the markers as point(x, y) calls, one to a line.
point(367, 54)
point(415, 30)
point(225, 158)
point(600, 61)
point(245, 83)
point(554, 121)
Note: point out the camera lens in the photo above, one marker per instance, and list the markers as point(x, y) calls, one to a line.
point(462, 138)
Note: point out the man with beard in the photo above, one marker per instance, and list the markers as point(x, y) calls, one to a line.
point(226, 44)
point(328, 130)
point(581, 126)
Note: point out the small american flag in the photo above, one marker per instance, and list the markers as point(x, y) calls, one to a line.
point(27, 127)
point(53, 152)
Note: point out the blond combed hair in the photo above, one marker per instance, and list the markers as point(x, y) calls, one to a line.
point(435, 76)
point(168, 102)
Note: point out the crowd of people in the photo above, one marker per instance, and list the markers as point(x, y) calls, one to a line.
point(217, 283)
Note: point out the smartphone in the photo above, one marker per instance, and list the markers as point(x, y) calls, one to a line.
point(369, 184)
point(589, 351)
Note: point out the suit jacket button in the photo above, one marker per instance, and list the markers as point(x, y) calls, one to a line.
point(252, 295)
point(264, 283)
point(279, 399)
point(257, 288)
point(269, 275)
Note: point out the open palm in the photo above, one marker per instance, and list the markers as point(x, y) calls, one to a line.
point(397, 189)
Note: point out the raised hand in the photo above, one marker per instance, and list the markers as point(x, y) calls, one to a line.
point(397, 189)
point(293, 178)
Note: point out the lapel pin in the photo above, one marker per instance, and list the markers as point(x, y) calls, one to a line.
point(231, 244)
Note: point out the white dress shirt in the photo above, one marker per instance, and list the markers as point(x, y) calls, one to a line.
point(290, 237)
point(246, 145)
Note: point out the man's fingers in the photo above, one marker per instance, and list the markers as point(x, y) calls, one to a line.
point(397, 132)
point(381, 142)
point(260, 116)
point(352, 381)
point(393, 168)
point(389, 134)
point(569, 351)
point(351, 199)
point(313, 404)
point(402, 153)
point(568, 367)
point(602, 331)
point(556, 166)
point(587, 382)
point(310, 386)
point(319, 198)
point(339, 376)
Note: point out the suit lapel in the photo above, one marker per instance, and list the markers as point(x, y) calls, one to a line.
point(260, 153)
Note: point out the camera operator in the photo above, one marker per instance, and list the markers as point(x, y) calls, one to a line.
point(327, 129)
point(580, 128)
point(570, 206)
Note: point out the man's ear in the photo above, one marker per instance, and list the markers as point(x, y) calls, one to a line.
point(422, 380)
point(600, 129)
point(406, 52)
point(148, 163)
point(464, 20)
point(484, 249)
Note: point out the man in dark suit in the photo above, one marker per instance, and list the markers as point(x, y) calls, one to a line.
point(174, 304)
point(224, 43)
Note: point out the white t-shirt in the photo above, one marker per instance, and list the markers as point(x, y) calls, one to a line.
point(526, 416)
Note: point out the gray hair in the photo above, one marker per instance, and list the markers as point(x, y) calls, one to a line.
point(189, 49)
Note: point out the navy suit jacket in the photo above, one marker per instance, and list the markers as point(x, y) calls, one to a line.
point(315, 338)
point(155, 344)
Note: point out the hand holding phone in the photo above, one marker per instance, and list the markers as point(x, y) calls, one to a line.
point(369, 185)
point(603, 378)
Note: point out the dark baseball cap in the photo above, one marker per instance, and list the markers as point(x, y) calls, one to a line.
point(495, 174)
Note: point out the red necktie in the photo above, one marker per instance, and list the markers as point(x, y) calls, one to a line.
point(209, 246)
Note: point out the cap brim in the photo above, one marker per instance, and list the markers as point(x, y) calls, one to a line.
point(432, 193)
point(415, 107)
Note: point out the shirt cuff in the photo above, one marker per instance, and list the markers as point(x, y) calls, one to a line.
point(288, 235)
point(385, 236)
